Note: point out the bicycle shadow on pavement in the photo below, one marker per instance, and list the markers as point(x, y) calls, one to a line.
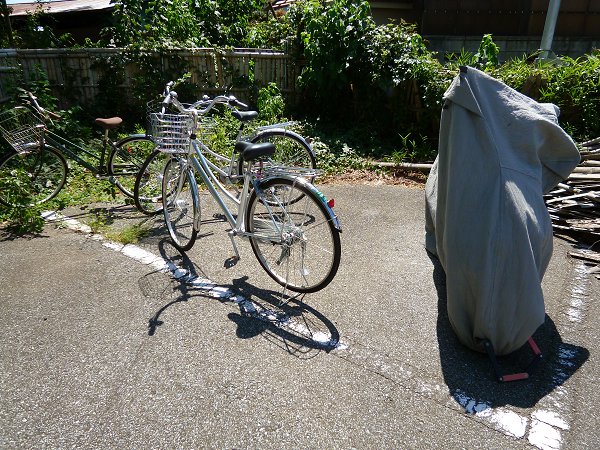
point(285, 321)
point(471, 379)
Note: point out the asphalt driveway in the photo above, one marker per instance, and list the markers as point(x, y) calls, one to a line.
point(105, 346)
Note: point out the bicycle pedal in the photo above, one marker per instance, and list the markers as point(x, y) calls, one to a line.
point(231, 261)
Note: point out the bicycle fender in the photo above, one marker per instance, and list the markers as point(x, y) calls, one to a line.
point(277, 128)
point(311, 187)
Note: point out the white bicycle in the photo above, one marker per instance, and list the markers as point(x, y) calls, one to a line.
point(292, 228)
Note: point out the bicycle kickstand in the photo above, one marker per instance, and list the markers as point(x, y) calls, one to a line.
point(232, 260)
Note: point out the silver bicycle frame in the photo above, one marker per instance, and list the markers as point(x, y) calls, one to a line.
point(203, 167)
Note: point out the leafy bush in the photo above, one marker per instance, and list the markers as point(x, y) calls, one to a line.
point(571, 84)
point(36, 32)
point(21, 220)
point(270, 102)
point(333, 39)
point(182, 23)
point(406, 83)
point(574, 85)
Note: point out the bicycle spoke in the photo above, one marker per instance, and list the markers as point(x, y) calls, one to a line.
point(31, 178)
point(298, 259)
point(127, 159)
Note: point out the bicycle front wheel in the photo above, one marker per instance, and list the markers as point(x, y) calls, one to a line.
point(293, 236)
point(147, 191)
point(181, 206)
point(33, 177)
point(126, 160)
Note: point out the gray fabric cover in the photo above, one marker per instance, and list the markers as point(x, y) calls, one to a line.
point(486, 220)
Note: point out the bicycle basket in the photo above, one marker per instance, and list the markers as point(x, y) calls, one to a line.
point(22, 129)
point(171, 132)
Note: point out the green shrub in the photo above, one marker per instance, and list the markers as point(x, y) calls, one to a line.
point(24, 219)
point(270, 102)
point(571, 84)
point(381, 83)
point(182, 23)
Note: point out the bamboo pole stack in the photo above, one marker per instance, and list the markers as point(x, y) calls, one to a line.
point(574, 205)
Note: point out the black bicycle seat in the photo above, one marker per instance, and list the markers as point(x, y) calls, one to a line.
point(251, 152)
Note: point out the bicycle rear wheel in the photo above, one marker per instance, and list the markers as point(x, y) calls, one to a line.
point(291, 150)
point(295, 241)
point(126, 160)
point(181, 206)
point(32, 177)
point(147, 191)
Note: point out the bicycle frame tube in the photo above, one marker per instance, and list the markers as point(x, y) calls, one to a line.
point(201, 165)
point(216, 168)
point(63, 145)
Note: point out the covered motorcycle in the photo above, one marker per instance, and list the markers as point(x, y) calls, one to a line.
point(499, 152)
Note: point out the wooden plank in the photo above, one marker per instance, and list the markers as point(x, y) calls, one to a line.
point(591, 142)
point(585, 255)
point(584, 176)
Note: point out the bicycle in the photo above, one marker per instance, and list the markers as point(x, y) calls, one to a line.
point(37, 168)
point(291, 150)
point(292, 229)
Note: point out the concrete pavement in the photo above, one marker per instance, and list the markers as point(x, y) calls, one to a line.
point(105, 346)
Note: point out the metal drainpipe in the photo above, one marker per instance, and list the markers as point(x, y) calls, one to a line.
point(549, 26)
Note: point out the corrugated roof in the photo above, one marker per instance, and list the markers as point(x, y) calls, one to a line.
point(63, 6)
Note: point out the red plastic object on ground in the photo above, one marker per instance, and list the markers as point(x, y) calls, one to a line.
point(514, 376)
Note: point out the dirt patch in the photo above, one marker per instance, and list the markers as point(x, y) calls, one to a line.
point(371, 178)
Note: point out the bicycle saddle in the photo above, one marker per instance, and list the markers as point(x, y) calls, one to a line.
point(250, 151)
point(109, 124)
point(244, 116)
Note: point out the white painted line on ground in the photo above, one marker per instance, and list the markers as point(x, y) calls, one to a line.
point(580, 287)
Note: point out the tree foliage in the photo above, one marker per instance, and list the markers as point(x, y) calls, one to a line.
point(334, 44)
point(182, 23)
point(37, 31)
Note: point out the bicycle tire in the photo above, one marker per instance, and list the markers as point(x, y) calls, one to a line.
point(147, 191)
point(308, 255)
point(291, 150)
point(126, 160)
point(181, 205)
point(33, 177)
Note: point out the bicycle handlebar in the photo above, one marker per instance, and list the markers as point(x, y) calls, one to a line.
point(48, 115)
point(201, 107)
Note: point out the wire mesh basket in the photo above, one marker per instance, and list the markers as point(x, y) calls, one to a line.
point(22, 129)
point(171, 132)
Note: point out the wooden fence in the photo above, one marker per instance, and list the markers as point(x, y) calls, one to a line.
point(212, 70)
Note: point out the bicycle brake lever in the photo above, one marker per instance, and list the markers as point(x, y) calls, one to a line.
point(235, 102)
point(168, 88)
